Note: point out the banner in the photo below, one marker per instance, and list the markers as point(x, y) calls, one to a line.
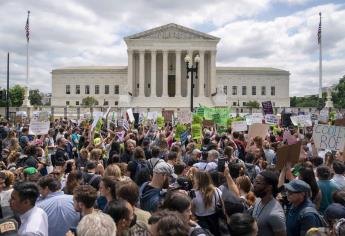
point(301, 120)
point(196, 131)
point(267, 107)
point(288, 153)
point(271, 119)
point(238, 126)
point(329, 137)
point(255, 118)
point(258, 130)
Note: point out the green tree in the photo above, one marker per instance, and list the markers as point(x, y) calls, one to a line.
point(35, 97)
point(89, 101)
point(253, 104)
point(338, 94)
point(16, 95)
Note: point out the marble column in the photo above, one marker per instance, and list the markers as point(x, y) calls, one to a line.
point(130, 72)
point(178, 74)
point(153, 73)
point(142, 74)
point(201, 75)
point(165, 74)
point(213, 83)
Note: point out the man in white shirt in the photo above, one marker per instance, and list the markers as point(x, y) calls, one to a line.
point(34, 221)
point(339, 171)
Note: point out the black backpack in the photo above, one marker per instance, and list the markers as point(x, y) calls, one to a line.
point(142, 172)
point(306, 210)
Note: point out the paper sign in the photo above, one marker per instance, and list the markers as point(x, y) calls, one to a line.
point(152, 115)
point(288, 153)
point(184, 117)
point(258, 130)
point(38, 127)
point(329, 137)
point(96, 120)
point(130, 115)
point(271, 119)
point(324, 116)
point(255, 118)
point(167, 115)
point(301, 120)
point(238, 126)
point(267, 107)
point(196, 131)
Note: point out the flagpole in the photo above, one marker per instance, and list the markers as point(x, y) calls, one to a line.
point(320, 59)
point(26, 102)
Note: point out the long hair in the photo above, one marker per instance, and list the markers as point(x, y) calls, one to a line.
point(205, 186)
point(73, 180)
point(308, 176)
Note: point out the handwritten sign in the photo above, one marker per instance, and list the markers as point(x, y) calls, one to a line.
point(324, 116)
point(329, 137)
point(238, 126)
point(258, 130)
point(271, 119)
point(301, 120)
point(267, 107)
point(184, 117)
point(288, 153)
point(255, 118)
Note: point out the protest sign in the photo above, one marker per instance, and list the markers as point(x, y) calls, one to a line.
point(152, 115)
point(339, 116)
point(289, 138)
point(130, 115)
point(258, 130)
point(184, 117)
point(208, 123)
point(324, 115)
point(301, 120)
point(288, 153)
point(216, 118)
point(184, 137)
point(39, 123)
point(340, 122)
point(200, 111)
point(267, 107)
point(238, 126)
point(168, 115)
point(271, 119)
point(196, 131)
point(255, 118)
point(286, 121)
point(179, 130)
point(160, 122)
point(329, 137)
point(97, 121)
point(106, 113)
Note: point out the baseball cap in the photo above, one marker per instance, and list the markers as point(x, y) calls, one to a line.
point(335, 211)
point(8, 227)
point(297, 186)
point(164, 168)
point(30, 171)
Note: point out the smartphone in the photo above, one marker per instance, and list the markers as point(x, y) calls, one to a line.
point(221, 164)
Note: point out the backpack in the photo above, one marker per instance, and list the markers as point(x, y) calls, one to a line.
point(312, 210)
point(151, 166)
point(142, 171)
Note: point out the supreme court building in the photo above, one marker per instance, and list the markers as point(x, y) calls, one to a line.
point(156, 76)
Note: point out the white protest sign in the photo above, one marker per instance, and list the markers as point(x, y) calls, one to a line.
point(329, 137)
point(130, 115)
point(39, 123)
point(255, 118)
point(184, 117)
point(152, 115)
point(106, 113)
point(22, 114)
point(96, 117)
point(324, 116)
point(271, 119)
point(238, 126)
point(302, 120)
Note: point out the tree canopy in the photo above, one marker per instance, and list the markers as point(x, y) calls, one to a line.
point(89, 101)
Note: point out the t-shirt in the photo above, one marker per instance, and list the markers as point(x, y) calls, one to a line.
point(327, 188)
point(270, 217)
point(199, 205)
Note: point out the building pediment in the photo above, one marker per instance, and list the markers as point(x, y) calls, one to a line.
point(172, 31)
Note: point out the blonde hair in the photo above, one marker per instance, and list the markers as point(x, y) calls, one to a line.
point(113, 170)
point(97, 223)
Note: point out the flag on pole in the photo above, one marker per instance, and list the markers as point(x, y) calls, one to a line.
point(319, 31)
point(27, 28)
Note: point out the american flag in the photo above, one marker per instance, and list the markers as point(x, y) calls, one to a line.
point(27, 28)
point(319, 31)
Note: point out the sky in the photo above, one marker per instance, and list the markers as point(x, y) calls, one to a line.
point(254, 33)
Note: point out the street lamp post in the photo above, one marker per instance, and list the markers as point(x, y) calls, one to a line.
point(193, 69)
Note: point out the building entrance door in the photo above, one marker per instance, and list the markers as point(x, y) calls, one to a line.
point(171, 85)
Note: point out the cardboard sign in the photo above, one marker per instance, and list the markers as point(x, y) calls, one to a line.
point(288, 153)
point(239, 126)
point(255, 118)
point(340, 122)
point(184, 117)
point(301, 120)
point(267, 107)
point(271, 119)
point(208, 123)
point(329, 137)
point(289, 138)
point(258, 130)
point(168, 115)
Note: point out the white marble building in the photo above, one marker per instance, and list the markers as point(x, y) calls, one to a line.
point(156, 76)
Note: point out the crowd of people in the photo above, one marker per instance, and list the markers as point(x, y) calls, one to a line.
point(144, 181)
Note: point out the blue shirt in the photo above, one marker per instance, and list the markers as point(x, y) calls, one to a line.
point(327, 188)
point(61, 213)
point(296, 225)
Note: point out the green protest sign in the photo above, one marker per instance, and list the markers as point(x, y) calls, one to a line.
point(216, 118)
point(196, 131)
point(197, 119)
point(200, 111)
point(179, 130)
point(160, 122)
